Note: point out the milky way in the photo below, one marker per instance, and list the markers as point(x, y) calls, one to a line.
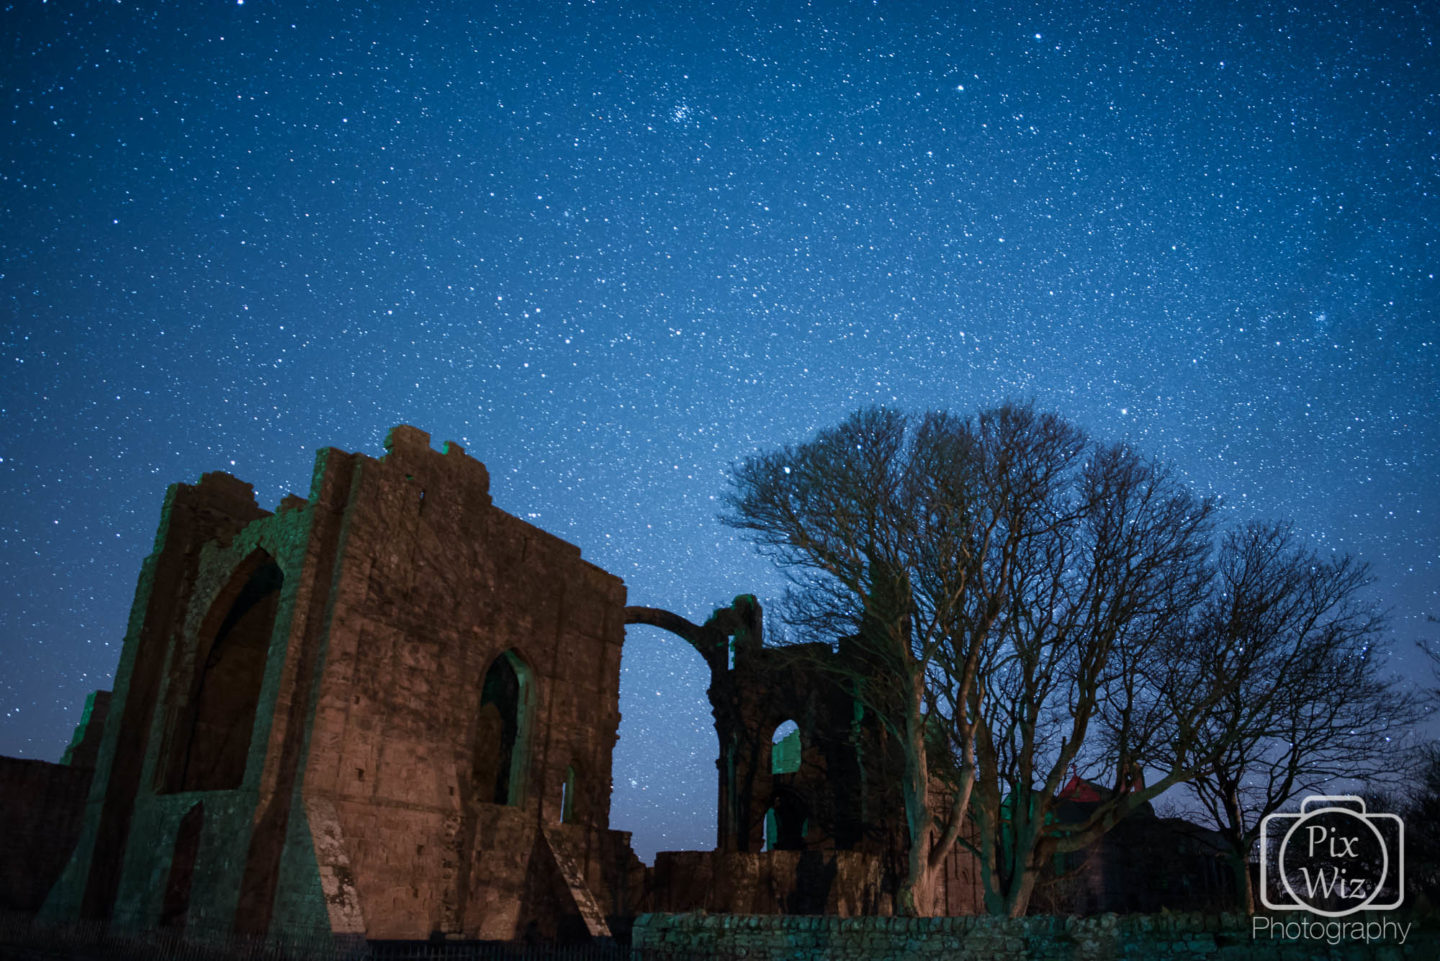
point(612, 248)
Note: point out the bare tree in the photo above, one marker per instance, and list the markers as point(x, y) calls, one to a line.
point(848, 518)
point(1422, 825)
point(1308, 704)
point(1100, 562)
point(1017, 591)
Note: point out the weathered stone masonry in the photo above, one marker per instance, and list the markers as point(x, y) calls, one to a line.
point(1106, 937)
point(387, 710)
point(826, 835)
point(41, 809)
point(362, 713)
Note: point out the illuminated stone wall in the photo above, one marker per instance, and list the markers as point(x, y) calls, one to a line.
point(302, 738)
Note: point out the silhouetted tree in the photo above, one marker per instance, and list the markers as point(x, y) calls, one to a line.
point(1422, 827)
point(1422, 809)
point(852, 518)
point(1308, 704)
point(1022, 591)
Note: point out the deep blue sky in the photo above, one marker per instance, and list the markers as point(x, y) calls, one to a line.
point(614, 247)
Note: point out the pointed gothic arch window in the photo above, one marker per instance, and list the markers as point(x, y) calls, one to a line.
point(212, 740)
point(502, 742)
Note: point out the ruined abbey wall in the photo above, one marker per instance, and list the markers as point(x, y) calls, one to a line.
point(42, 807)
point(385, 710)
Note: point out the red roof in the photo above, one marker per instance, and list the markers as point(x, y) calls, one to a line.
point(1078, 790)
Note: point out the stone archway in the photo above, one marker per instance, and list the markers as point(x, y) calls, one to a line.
point(728, 632)
point(211, 741)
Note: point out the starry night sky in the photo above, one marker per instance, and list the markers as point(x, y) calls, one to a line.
point(614, 247)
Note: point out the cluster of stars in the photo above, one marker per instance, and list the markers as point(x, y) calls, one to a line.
point(612, 251)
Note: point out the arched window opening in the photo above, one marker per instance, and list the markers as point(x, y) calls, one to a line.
point(567, 797)
point(785, 749)
point(787, 823)
point(503, 735)
point(175, 909)
point(213, 744)
point(667, 771)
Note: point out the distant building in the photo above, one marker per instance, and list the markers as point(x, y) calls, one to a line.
point(1142, 865)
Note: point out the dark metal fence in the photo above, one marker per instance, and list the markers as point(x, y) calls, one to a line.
point(25, 939)
point(492, 951)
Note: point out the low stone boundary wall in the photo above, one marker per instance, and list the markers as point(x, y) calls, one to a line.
point(1106, 937)
point(41, 808)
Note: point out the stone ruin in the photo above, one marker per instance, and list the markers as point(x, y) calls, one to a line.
point(387, 711)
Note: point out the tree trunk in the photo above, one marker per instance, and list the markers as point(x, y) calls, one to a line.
point(1020, 890)
point(1025, 872)
point(1011, 900)
point(915, 897)
point(1244, 888)
point(1234, 832)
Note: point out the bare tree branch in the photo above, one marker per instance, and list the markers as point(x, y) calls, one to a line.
point(1023, 603)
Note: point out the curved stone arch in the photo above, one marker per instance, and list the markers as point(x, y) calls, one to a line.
point(786, 748)
point(217, 691)
point(710, 643)
point(504, 732)
point(730, 636)
point(220, 606)
point(741, 620)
